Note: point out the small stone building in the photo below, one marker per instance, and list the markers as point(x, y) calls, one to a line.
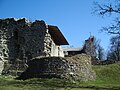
point(88, 48)
point(23, 40)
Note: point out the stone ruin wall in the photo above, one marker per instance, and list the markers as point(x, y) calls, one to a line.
point(74, 68)
point(21, 41)
point(89, 47)
point(50, 48)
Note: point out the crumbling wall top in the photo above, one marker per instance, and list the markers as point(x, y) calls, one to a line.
point(21, 21)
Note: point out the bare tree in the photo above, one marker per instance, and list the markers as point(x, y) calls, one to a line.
point(114, 52)
point(100, 52)
point(112, 8)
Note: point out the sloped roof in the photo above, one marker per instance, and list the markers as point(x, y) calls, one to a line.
point(57, 36)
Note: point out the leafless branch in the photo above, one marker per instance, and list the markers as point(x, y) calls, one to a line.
point(106, 8)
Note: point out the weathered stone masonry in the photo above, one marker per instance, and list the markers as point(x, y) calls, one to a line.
point(32, 49)
point(21, 40)
point(77, 67)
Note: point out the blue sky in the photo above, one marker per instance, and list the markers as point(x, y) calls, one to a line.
point(73, 17)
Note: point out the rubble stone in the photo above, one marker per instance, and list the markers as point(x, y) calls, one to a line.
point(21, 41)
point(74, 68)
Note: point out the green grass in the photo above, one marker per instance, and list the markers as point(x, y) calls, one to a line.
point(108, 78)
point(7, 83)
point(109, 74)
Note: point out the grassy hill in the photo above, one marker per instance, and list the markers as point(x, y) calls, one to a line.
point(108, 78)
point(109, 74)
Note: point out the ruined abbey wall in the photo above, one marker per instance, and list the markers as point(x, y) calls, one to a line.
point(27, 50)
point(77, 67)
point(21, 41)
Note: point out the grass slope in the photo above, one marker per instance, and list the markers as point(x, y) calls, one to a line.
point(108, 78)
point(109, 74)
